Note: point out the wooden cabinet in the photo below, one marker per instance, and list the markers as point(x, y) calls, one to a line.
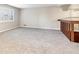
point(67, 27)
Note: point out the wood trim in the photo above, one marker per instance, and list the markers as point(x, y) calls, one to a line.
point(67, 27)
point(72, 32)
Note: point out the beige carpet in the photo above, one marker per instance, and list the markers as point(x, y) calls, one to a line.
point(29, 40)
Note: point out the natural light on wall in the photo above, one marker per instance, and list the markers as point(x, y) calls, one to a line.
point(74, 13)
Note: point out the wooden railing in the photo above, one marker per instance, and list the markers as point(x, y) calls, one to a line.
point(67, 27)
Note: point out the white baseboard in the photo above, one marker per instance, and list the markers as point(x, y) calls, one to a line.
point(27, 27)
point(42, 27)
point(8, 29)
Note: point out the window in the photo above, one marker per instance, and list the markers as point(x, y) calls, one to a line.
point(6, 14)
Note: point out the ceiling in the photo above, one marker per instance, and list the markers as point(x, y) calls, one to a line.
point(33, 5)
point(64, 7)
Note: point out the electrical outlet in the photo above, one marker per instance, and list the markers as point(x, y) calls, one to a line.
point(25, 25)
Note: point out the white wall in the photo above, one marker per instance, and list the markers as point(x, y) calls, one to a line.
point(36, 17)
point(10, 25)
point(42, 17)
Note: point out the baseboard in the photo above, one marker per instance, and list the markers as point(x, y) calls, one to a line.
point(42, 28)
point(28, 27)
point(8, 29)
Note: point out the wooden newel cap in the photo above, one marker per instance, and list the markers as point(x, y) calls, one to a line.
point(59, 19)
